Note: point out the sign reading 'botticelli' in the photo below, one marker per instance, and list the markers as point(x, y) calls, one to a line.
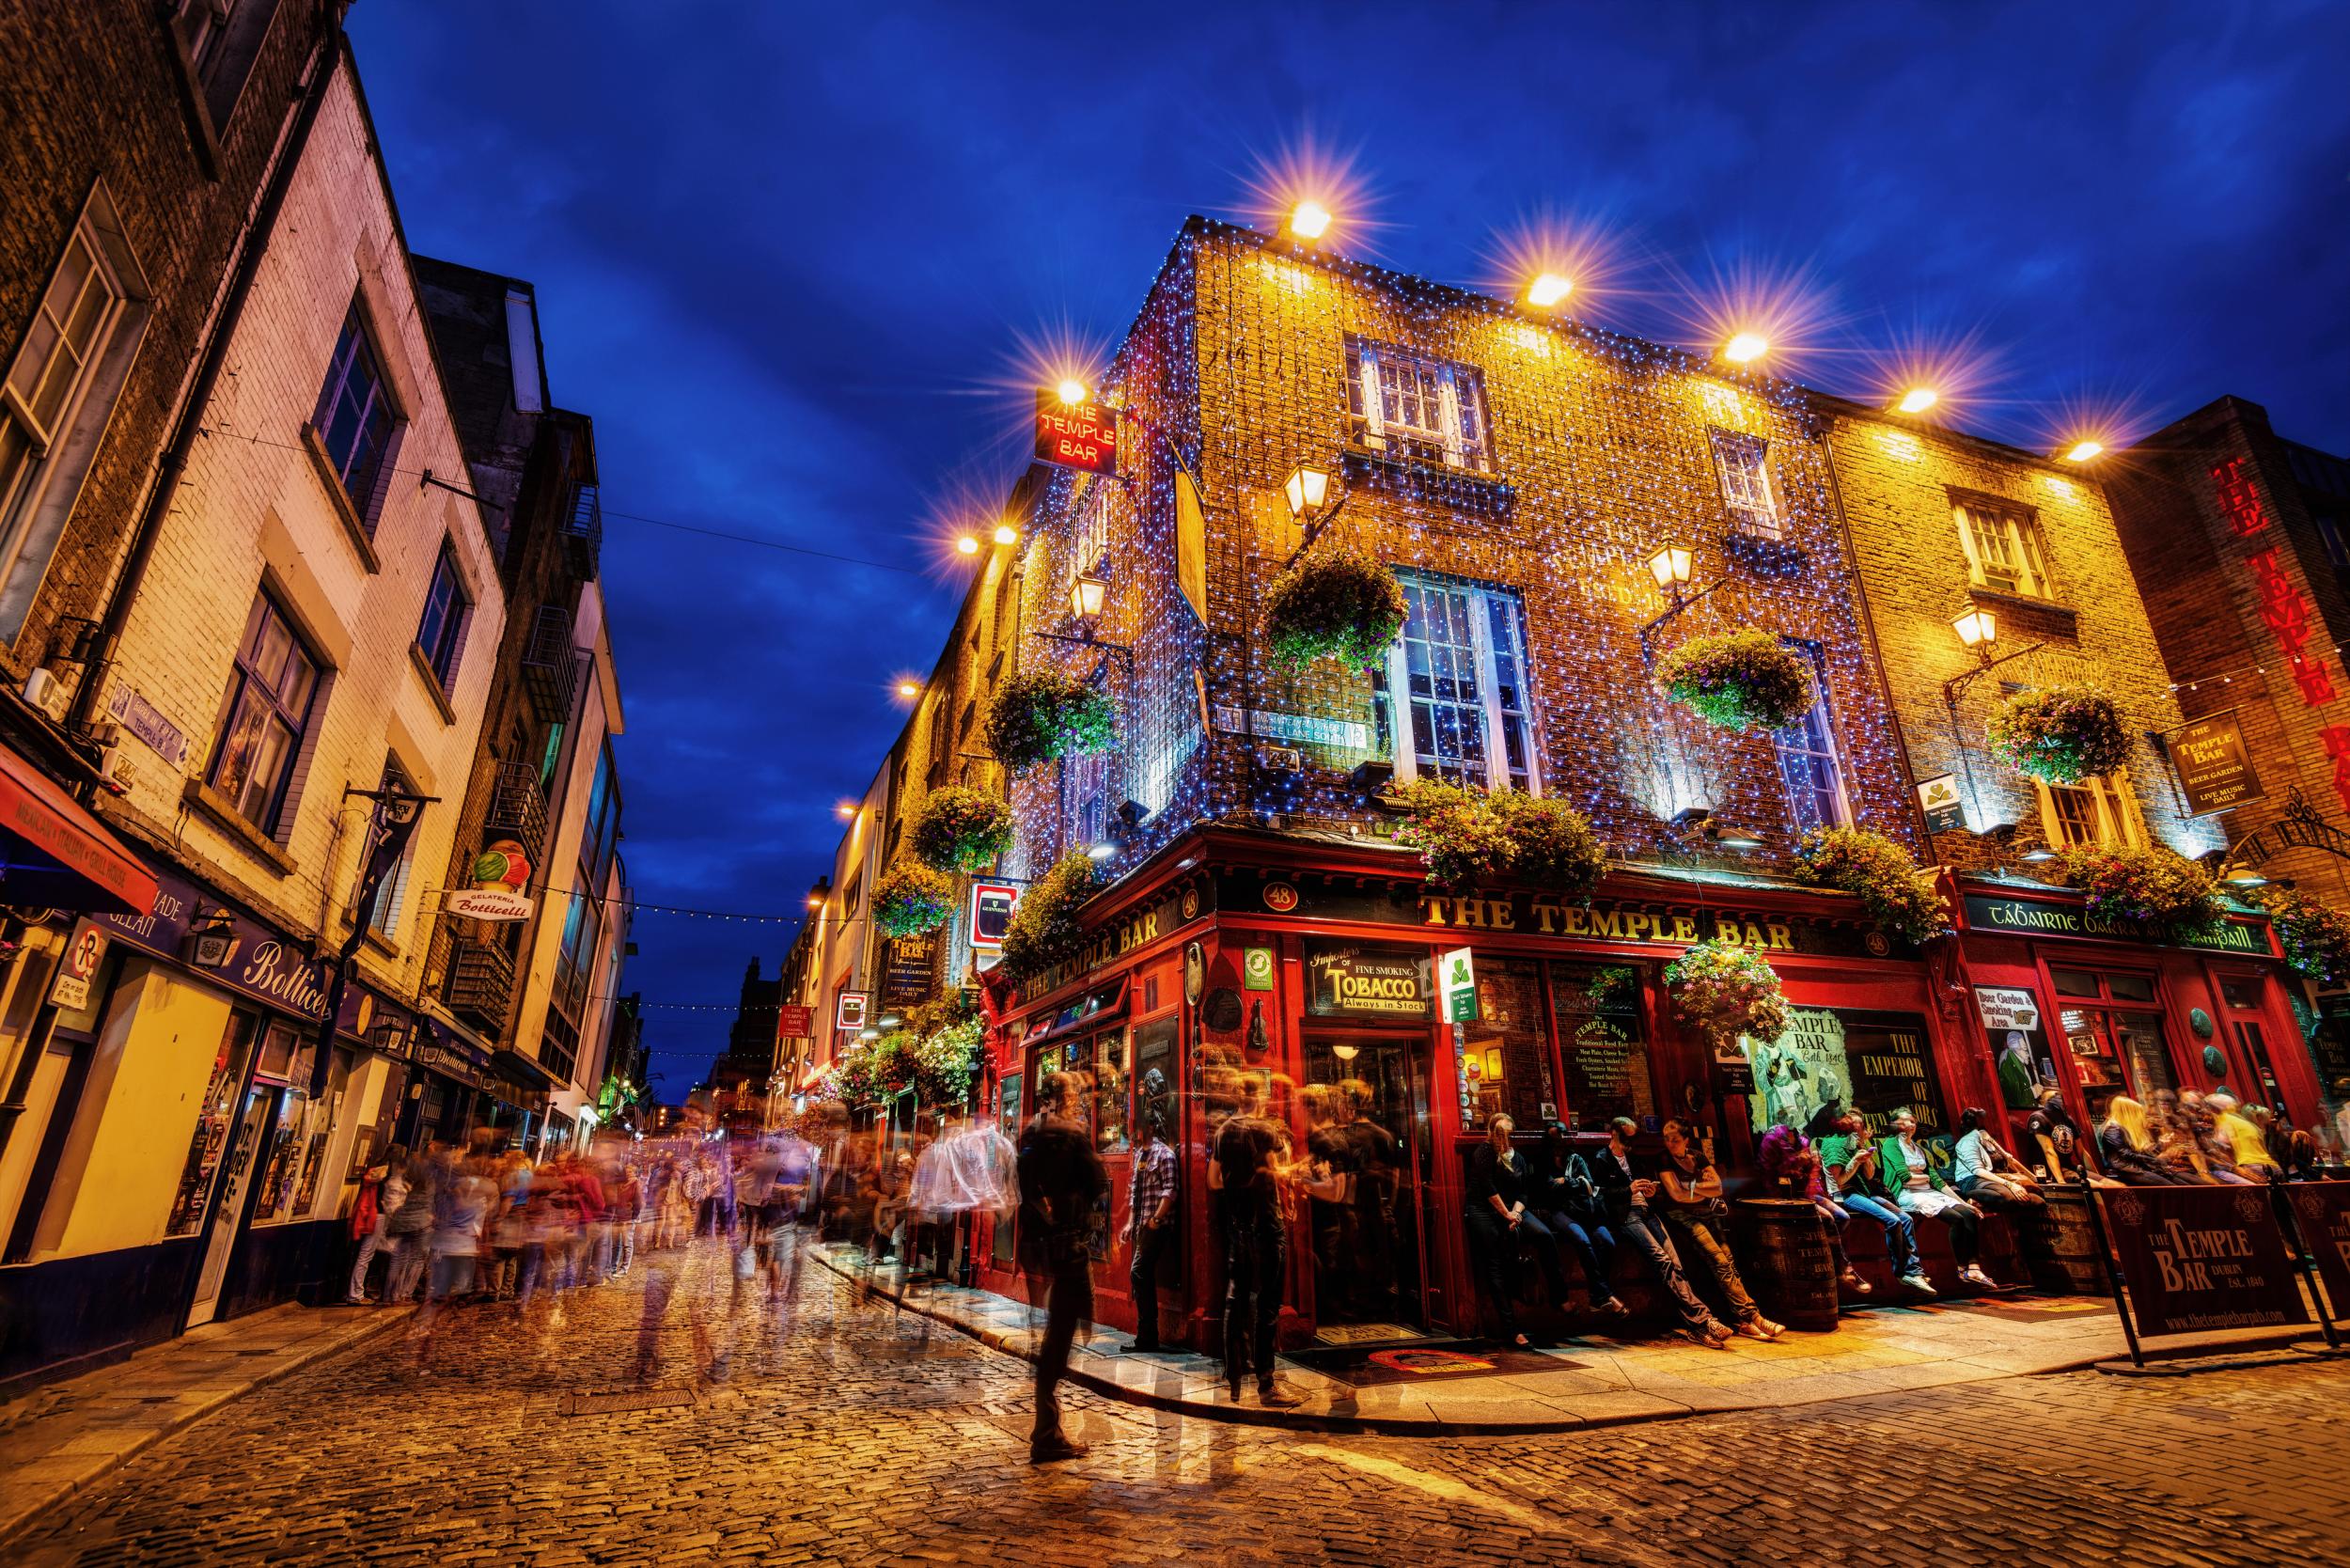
point(1076, 436)
point(2214, 771)
point(2201, 1258)
point(1387, 982)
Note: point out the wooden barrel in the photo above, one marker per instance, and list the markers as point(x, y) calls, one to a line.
point(2061, 1244)
point(1784, 1258)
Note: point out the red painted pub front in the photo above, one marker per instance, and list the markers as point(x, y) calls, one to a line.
point(1311, 964)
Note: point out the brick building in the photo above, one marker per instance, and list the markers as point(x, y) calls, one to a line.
point(535, 995)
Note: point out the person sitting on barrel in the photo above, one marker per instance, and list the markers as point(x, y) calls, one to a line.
point(1987, 1175)
point(1790, 1162)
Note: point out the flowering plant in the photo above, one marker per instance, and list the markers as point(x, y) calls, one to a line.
point(1043, 928)
point(947, 1064)
point(2151, 885)
point(1338, 602)
point(911, 899)
point(1898, 896)
point(2059, 734)
point(1738, 680)
point(2316, 936)
point(961, 829)
point(850, 1078)
point(1465, 836)
point(1726, 992)
point(1042, 713)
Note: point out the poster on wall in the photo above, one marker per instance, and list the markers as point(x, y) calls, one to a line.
point(2018, 1045)
point(1871, 1062)
point(1799, 1072)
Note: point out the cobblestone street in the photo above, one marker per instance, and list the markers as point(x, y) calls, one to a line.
point(842, 1431)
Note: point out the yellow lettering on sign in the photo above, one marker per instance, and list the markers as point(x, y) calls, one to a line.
point(1432, 909)
point(1606, 923)
point(1469, 912)
point(1780, 936)
point(1577, 922)
point(1726, 931)
point(1546, 917)
point(1504, 913)
point(1754, 936)
point(1685, 929)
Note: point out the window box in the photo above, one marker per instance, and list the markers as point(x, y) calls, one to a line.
point(222, 812)
point(340, 498)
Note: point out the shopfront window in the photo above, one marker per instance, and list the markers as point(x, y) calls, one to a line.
point(1110, 1065)
point(1505, 1054)
point(215, 1117)
point(2116, 1053)
point(1877, 1064)
point(1155, 1078)
point(1605, 1050)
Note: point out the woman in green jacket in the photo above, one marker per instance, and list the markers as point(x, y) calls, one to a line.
point(1919, 1189)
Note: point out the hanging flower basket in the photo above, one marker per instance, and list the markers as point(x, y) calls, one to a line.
point(1898, 896)
point(1337, 602)
point(1044, 926)
point(961, 829)
point(947, 1064)
point(2059, 734)
point(850, 1078)
point(911, 899)
point(1738, 680)
point(2315, 936)
point(1042, 714)
point(1725, 991)
point(1459, 834)
point(2153, 887)
point(1467, 837)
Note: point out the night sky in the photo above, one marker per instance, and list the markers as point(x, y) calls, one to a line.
point(797, 261)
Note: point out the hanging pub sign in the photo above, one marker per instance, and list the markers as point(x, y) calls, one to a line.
point(2214, 772)
point(1076, 436)
point(1938, 798)
point(2200, 1258)
point(906, 976)
point(850, 1013)
point(794, 1021)
point(1384, 982)
point(489, 903)
point(1460, 986)
point(991, 912)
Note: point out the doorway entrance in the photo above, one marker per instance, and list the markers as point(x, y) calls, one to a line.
point(1370, 1140)
point(220, 1241)
point(2114, 1050)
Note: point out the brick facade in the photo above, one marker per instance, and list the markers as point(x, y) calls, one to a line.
point(2226, 541)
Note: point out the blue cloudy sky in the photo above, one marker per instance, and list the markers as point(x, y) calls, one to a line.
point(789, 255)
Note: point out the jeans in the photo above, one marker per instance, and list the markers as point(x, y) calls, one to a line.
point(1068, 1298)
point(1495, 1243)
point(452, 1274)
point(378, 1239)
point(1645, 1233)
point(1256, 1255)
point(407, 1267)
point(1150, 1247)
point(1900, 1232)
point(1702, 1233)
point(1595, 1251)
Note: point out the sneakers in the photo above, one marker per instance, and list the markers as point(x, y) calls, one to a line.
point(1918, 1282)
point(1274, 1397)
point(1852, 1282)
point(1760, 1327)
point(1053, 1450)
point(1612, 1310)
point(1712, 1336)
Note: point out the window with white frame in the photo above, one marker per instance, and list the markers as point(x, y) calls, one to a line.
point(2100, 811)
point(1452, 702)
point(1807, 761)
point(53, 373)
point(1426, 408)
point(1742, 461)
point(1094, 528)
point(2005, 550)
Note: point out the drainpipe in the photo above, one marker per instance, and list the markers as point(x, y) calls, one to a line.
point(173, 464)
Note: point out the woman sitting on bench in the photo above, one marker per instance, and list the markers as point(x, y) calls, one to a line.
point(1986, 1174)
point(1501, 1185)
point(1921, 1191)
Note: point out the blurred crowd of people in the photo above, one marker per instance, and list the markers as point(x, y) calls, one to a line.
point(2186, 1139)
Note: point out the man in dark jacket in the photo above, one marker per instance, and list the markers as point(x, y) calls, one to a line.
point(1626, 1185)
point(1062, 1183)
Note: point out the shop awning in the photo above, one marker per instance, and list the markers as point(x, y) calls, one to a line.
point(55, 855)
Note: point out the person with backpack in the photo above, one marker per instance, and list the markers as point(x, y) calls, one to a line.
point(382, 1191)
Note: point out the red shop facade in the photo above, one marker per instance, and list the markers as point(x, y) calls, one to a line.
point(2100, 1008)
point(1311, 965)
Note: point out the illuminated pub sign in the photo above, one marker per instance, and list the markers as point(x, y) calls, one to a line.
point(1076, 436)
point(1346, 979)
point(2033, 917)
point(2213, 771)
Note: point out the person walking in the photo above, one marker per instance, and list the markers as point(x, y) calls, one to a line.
point(1149, 1227)
point(1061, 1182)
point(410, 1229)
point(383, 1190)
point(1244, 1173)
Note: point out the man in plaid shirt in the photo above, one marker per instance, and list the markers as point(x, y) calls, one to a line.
point(1150, 1226)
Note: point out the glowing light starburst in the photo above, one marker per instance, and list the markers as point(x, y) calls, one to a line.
point(1311, 191)
point(1549, 262)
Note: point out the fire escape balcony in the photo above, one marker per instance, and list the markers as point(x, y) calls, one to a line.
point(480, 984)
point(583, 531)
point(517, 808)
point(551, 665)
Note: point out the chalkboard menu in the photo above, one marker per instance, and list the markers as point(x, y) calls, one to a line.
point(1602, 1045)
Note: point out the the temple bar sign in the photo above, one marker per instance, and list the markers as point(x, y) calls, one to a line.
point(1535, 916)
point(2213, 771)
point(1076, 436)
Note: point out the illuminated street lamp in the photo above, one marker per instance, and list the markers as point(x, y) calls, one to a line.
point(909, 690)
point(845, 809)
point(2083, 450)
point(1072, 392)
point(1917, 399)
point(1547, 290)
point(1309, 220)
point(1669, 563)
point(1977, 628)
point(1307, 488)
point(1085, 597)
point(967, 545)
point(1745, 348)
point(1006, 534)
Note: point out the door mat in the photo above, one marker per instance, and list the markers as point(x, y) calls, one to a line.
point(2041, 1308)
point(1423, 1361)
point(1365, 1333)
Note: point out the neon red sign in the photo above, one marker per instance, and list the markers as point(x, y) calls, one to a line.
point(1076, 436)
point(2239, 497)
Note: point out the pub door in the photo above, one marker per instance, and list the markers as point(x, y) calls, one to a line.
point(1371, 1147)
